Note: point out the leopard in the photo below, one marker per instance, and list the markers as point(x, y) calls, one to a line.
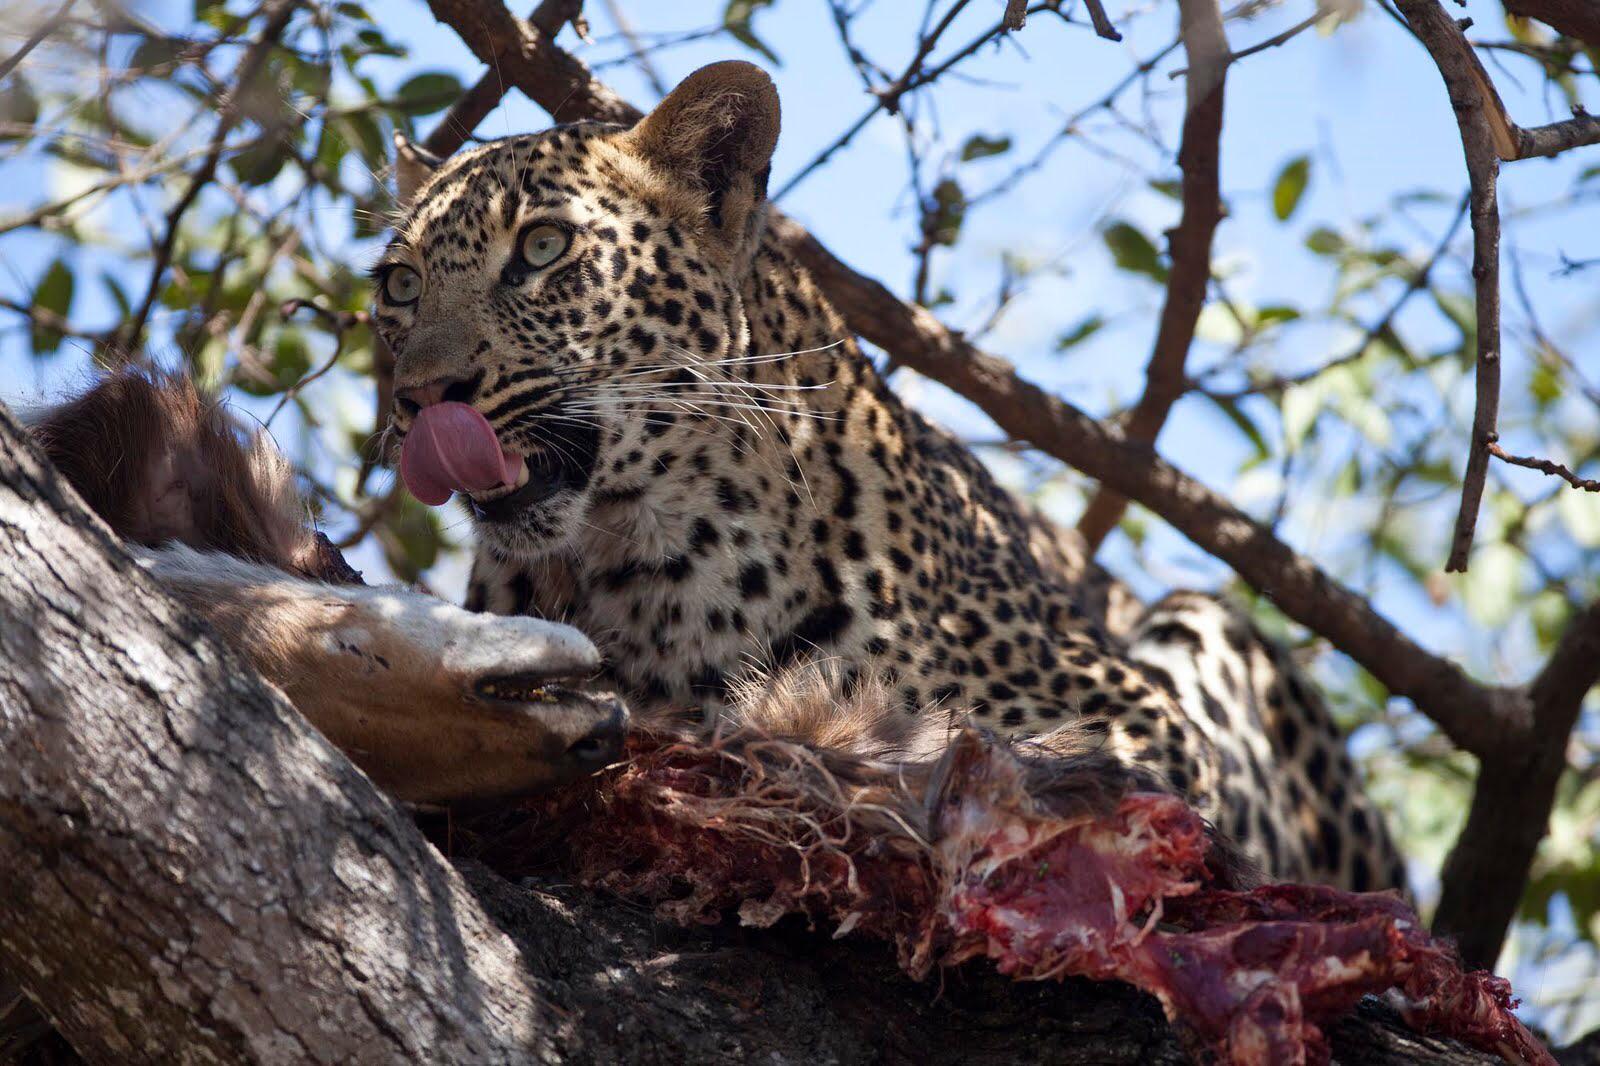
point(663, 433)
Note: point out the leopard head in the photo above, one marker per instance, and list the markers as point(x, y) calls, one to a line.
point(541, 291)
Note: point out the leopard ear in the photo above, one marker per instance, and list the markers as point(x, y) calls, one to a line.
point(714, 134)
point(413, 166)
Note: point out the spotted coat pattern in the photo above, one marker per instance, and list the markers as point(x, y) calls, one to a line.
point(726, 484)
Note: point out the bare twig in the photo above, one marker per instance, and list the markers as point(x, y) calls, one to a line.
point(1016, 15)
point(916, 74)
point(1418, 282)
point(340, 322)
point(278, 13)
point(1575, 132)
point(636, 49)
point(48, 25)
point(1206, 44)
point(1102, 25)
point(1486, 134)
point(1271, 42)
point(1545, 466)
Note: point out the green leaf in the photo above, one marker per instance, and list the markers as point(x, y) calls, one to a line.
point(1276, 313)
point(736, 20)
point(1325, 241)
point(416, 537)
point(1301, 404)
point(1491, 588)
point(118, 294)
point(261, 162)
point(980, 147)
point(1245, 425)
point(53, 294)
point(1133, 251)
point(18, 105)
point(427, 93)
point(1081, 332)
point(310, 77)
point(1290, 187)
point(360, 130)
point(154, 52)
point(946, 212)
point(376, 44)
point(1459, 308)
point(1168, 187)
point(1580, 513)
point(1544, 385)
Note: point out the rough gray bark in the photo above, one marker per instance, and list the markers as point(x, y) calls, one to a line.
point(188, 873)
point(184, 863)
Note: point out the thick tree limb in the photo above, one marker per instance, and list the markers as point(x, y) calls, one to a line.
point(1205, 44)
point(527, 57)
point(467, 113)
point(189, 873)
point(183, 861)
point(1575, 18)
point(1511, 802)
point(1476, 717)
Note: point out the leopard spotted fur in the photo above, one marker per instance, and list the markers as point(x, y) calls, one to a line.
point(722, 483)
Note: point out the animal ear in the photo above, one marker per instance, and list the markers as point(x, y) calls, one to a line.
point(715, 134)
point(413, 166)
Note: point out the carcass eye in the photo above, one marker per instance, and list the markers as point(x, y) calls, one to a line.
point(543, 244)
point(401, 286)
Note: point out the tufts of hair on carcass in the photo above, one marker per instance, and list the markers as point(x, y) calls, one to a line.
point(815, 792)
point(817, 796)
point(160, 462)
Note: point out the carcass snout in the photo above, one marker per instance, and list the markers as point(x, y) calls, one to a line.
point(602, 744)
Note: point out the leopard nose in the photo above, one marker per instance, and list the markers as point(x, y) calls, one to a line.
point(413, 398)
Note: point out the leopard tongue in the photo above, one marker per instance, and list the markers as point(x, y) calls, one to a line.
point(452, 448)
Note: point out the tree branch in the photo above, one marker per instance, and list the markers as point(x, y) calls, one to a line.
point(47, 25)
point(468, 112)
point(1488, 721)
point(1545, 466)
point(1206, 45)
point(528, 58)
point(132, 736)
point(1575, 18)
point(313, 921)
point(1484, 875)
point(1476, 717)
point(1575, 132)
point(278, 13)
point(1486, 135)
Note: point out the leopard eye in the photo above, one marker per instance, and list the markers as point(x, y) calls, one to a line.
point(543, 245)
point(401, 286)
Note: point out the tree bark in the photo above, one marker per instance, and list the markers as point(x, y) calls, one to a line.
point(189, 873)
